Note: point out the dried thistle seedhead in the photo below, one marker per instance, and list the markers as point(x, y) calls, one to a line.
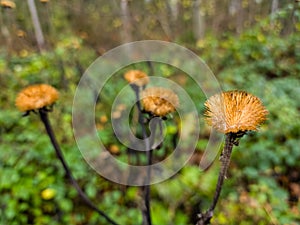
point(136, 77)
point(7, 4)
point(159, 101)
point(36, 96)
point(235, 111)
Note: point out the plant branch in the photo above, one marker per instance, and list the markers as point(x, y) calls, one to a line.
point(44, 117)
point(147, 210)
point(147, 188)
point(204, 218)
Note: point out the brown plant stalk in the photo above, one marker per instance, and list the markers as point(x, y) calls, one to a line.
point(44, 117)
point(40, 98)
point(146, 210)
point(157, 102)
point(138, 81)
point(232, 113)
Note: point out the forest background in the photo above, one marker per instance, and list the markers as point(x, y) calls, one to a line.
point(249, 45)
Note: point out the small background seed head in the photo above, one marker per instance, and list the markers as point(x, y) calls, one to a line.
point(159, 101)
point(137, 77)
point(36, 96)
point(7, 4)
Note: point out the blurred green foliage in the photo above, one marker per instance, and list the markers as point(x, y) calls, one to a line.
point(264, 176)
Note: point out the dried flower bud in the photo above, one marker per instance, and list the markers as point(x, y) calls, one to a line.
point(159, 101)
point(36, 96)
point(235, 111)
point(137, 77)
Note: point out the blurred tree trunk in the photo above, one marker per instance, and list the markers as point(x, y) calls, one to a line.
point(240, 16)
point(274, 8)
point(36, 24)
point(198, 20)
point(126, 21)
point(173, 4)
point(45, 18)
point(163, 18)
point(235, 10)
point(126, 32)
point(5, 32)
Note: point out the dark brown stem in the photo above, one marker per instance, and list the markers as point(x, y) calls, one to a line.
point(225, 161)
point(147, 189)
point(44, 117)
point(147, 210)
point(204, 218)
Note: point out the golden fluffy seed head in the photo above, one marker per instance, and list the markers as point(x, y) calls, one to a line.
point(159, 101)
point(36, 96)
point(234, 111)
point(136, 77)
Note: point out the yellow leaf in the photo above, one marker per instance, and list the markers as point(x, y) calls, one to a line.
point(48, 193)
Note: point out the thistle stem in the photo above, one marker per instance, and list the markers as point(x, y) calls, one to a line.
point(225, 161)
point(147, 210)
point(147, 189)
point(44, 117)
point(204, 218)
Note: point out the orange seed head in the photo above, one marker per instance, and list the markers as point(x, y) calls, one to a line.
point(234, 111)
point(136, 77)
point(159, 101)
point(8, 4)
point(36, 96)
